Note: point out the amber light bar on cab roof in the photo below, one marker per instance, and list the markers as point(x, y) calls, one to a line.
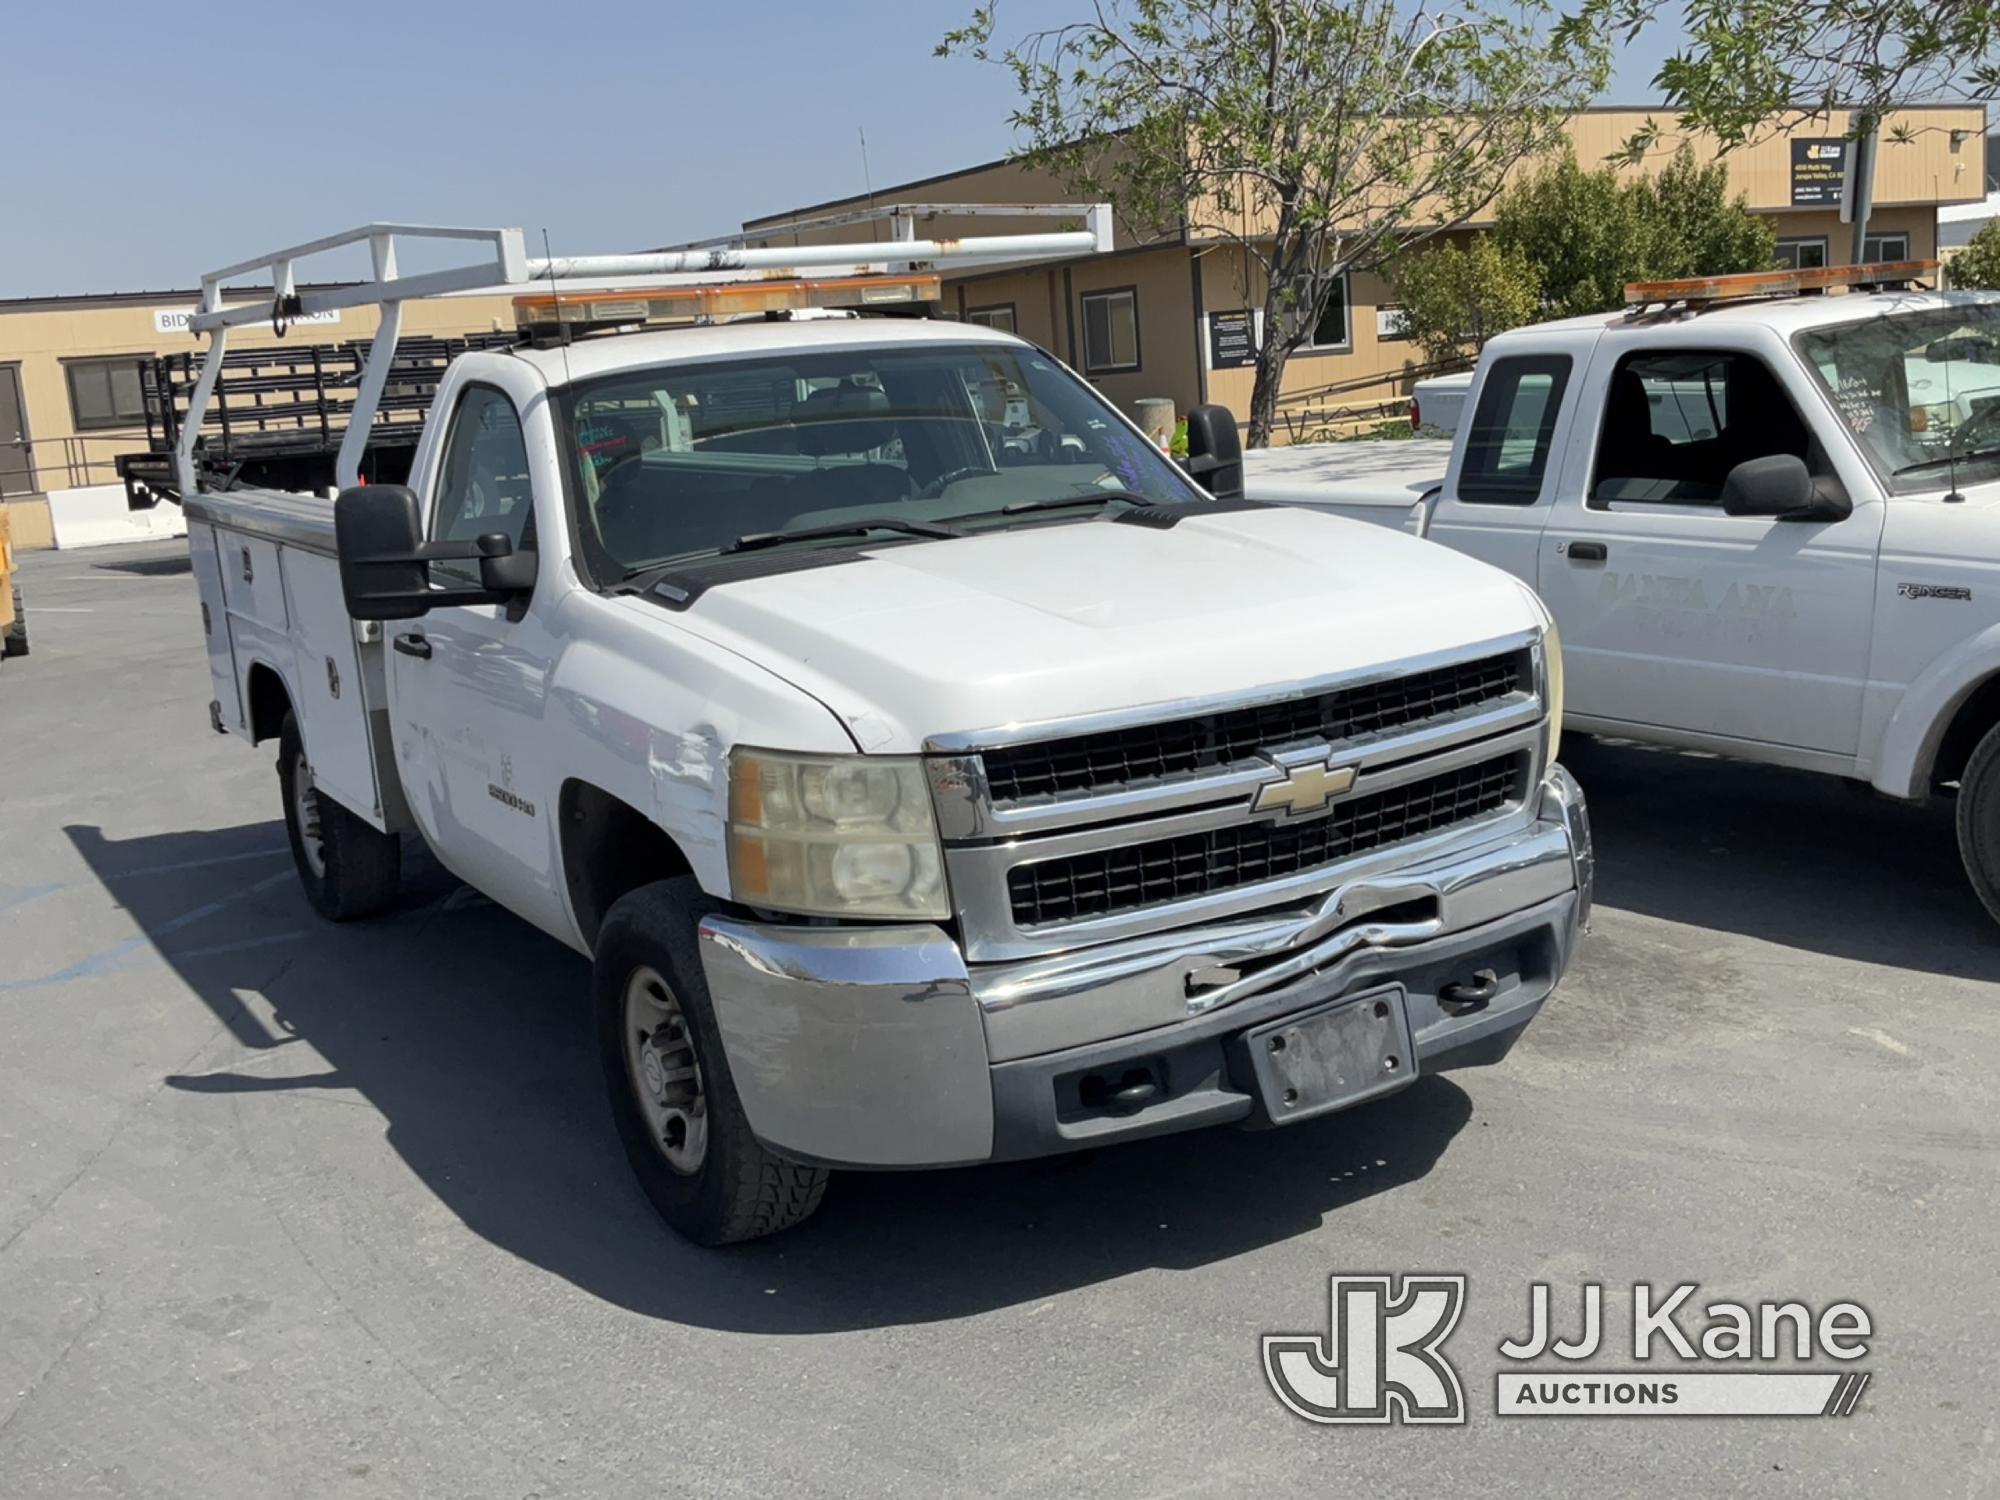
point(1705, 291)
point(716, 301)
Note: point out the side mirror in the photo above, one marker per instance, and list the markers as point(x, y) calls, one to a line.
point(380, 539)
point(1782, 487)
point(385, 562)
point(1215, 451)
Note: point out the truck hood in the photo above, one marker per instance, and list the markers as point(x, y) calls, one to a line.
point(1053, 621)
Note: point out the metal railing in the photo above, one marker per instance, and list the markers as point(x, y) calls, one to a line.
point(68, 459)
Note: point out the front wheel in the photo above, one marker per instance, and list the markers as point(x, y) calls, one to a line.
point(672, 1099)
point(348, 869)
point(1979, 820)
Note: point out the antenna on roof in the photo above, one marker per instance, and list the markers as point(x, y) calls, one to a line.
point(563, 334)
point(867, 182)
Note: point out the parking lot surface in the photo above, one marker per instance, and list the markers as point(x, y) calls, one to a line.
point(294, 1209)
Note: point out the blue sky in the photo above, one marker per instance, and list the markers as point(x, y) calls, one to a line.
point(167, 138)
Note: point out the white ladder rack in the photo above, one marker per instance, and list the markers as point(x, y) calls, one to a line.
point(503, 264)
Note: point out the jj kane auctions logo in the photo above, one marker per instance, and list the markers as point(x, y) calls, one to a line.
point(1382, 1357)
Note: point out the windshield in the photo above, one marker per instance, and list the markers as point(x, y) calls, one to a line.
point(685, 460)
point(1921, 390)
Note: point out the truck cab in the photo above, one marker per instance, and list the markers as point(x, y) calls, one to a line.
point(1766, 521)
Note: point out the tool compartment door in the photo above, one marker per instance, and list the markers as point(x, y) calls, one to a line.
point(328, 695)
point(206, 561)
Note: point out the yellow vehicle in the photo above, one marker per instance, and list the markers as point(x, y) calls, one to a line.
point(13, 618)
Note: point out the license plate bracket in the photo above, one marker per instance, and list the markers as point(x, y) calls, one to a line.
point(1334, 1057)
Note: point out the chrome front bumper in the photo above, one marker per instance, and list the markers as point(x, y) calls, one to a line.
point(882, 1047)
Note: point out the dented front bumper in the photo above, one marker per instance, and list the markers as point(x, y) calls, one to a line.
point(881, 1047)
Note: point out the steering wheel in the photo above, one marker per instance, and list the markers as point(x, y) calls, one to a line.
point(949, 478)
point(1981, 430)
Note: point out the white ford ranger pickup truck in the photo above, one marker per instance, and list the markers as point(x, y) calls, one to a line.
point(1766, 519)
point(934, 773)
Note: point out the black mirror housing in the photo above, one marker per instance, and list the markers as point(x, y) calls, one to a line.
point(505, 571)
point(385, 562)
point(378, 530)
point(1782, 487)
point(1215, 451)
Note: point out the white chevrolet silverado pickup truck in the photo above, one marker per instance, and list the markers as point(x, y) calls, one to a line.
point(1766, 519)
point(934, 773)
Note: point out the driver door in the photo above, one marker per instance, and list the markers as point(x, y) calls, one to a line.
point(1677, 615)
point(469, 682)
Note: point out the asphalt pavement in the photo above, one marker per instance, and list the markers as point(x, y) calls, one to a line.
point(289, 1209)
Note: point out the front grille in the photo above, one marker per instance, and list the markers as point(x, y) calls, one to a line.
point(1105, 882)
point(1116, 759)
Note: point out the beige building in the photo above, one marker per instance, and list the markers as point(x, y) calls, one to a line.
point(1174, 315)
point(72, 397)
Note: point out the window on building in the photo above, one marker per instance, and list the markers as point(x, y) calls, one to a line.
point(1882, 247)
point(483, 487)
point(106, 393)
point(1392, 324)
point(1804, 254)
point(1110, 331)
point(1000, 316)
point(1677, 421)
point(1331, 331)
point(1507, 450)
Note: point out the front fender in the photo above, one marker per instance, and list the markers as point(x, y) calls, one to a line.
point(1915, 730)
point(648, 713)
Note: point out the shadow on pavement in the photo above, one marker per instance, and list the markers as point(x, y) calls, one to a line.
point(148, 567)
point(1807, 861)
point(468, 1031)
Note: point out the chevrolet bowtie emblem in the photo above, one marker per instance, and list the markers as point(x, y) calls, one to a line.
point(1303, 789)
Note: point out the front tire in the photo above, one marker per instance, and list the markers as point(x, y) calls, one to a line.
point(1979, 821)
point(15, 641)
point(672, 1099)
point(348, 869)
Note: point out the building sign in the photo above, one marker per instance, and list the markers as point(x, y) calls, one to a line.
point(1818, 169)
point(1231, 343)
point(176, 319)
point(1390, 324)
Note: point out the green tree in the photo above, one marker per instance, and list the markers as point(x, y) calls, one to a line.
point(1750, 67)
point(1977, 266)
point(1456, 297)
point(1316, 135)
point(1584, 232)
point(1696, 229)
point(1588, 232)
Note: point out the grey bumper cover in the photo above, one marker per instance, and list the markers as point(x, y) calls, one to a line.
point(879, 1047)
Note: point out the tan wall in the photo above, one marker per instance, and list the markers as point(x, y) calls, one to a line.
point(40, 341)
point(1944, 161)
point(1315, 379)
point(994, 182)
point(1928, 168)
point(1920, 224)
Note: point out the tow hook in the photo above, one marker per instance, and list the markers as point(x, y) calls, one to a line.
point(1464, 996)
point(1126, 1094)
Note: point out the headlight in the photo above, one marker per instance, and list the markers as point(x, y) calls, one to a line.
point(834, 835)
point(1552, 674)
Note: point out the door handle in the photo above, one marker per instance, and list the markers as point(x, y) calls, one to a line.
point(414, 645)
point(1588, 552)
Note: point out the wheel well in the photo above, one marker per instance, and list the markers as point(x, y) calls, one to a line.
point(609, 847)
point(1977, 714)
point(269, 703)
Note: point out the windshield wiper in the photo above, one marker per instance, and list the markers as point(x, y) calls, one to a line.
point(1946, 460)
point(648, 576)
point(1060, 502)
point(751, 541)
